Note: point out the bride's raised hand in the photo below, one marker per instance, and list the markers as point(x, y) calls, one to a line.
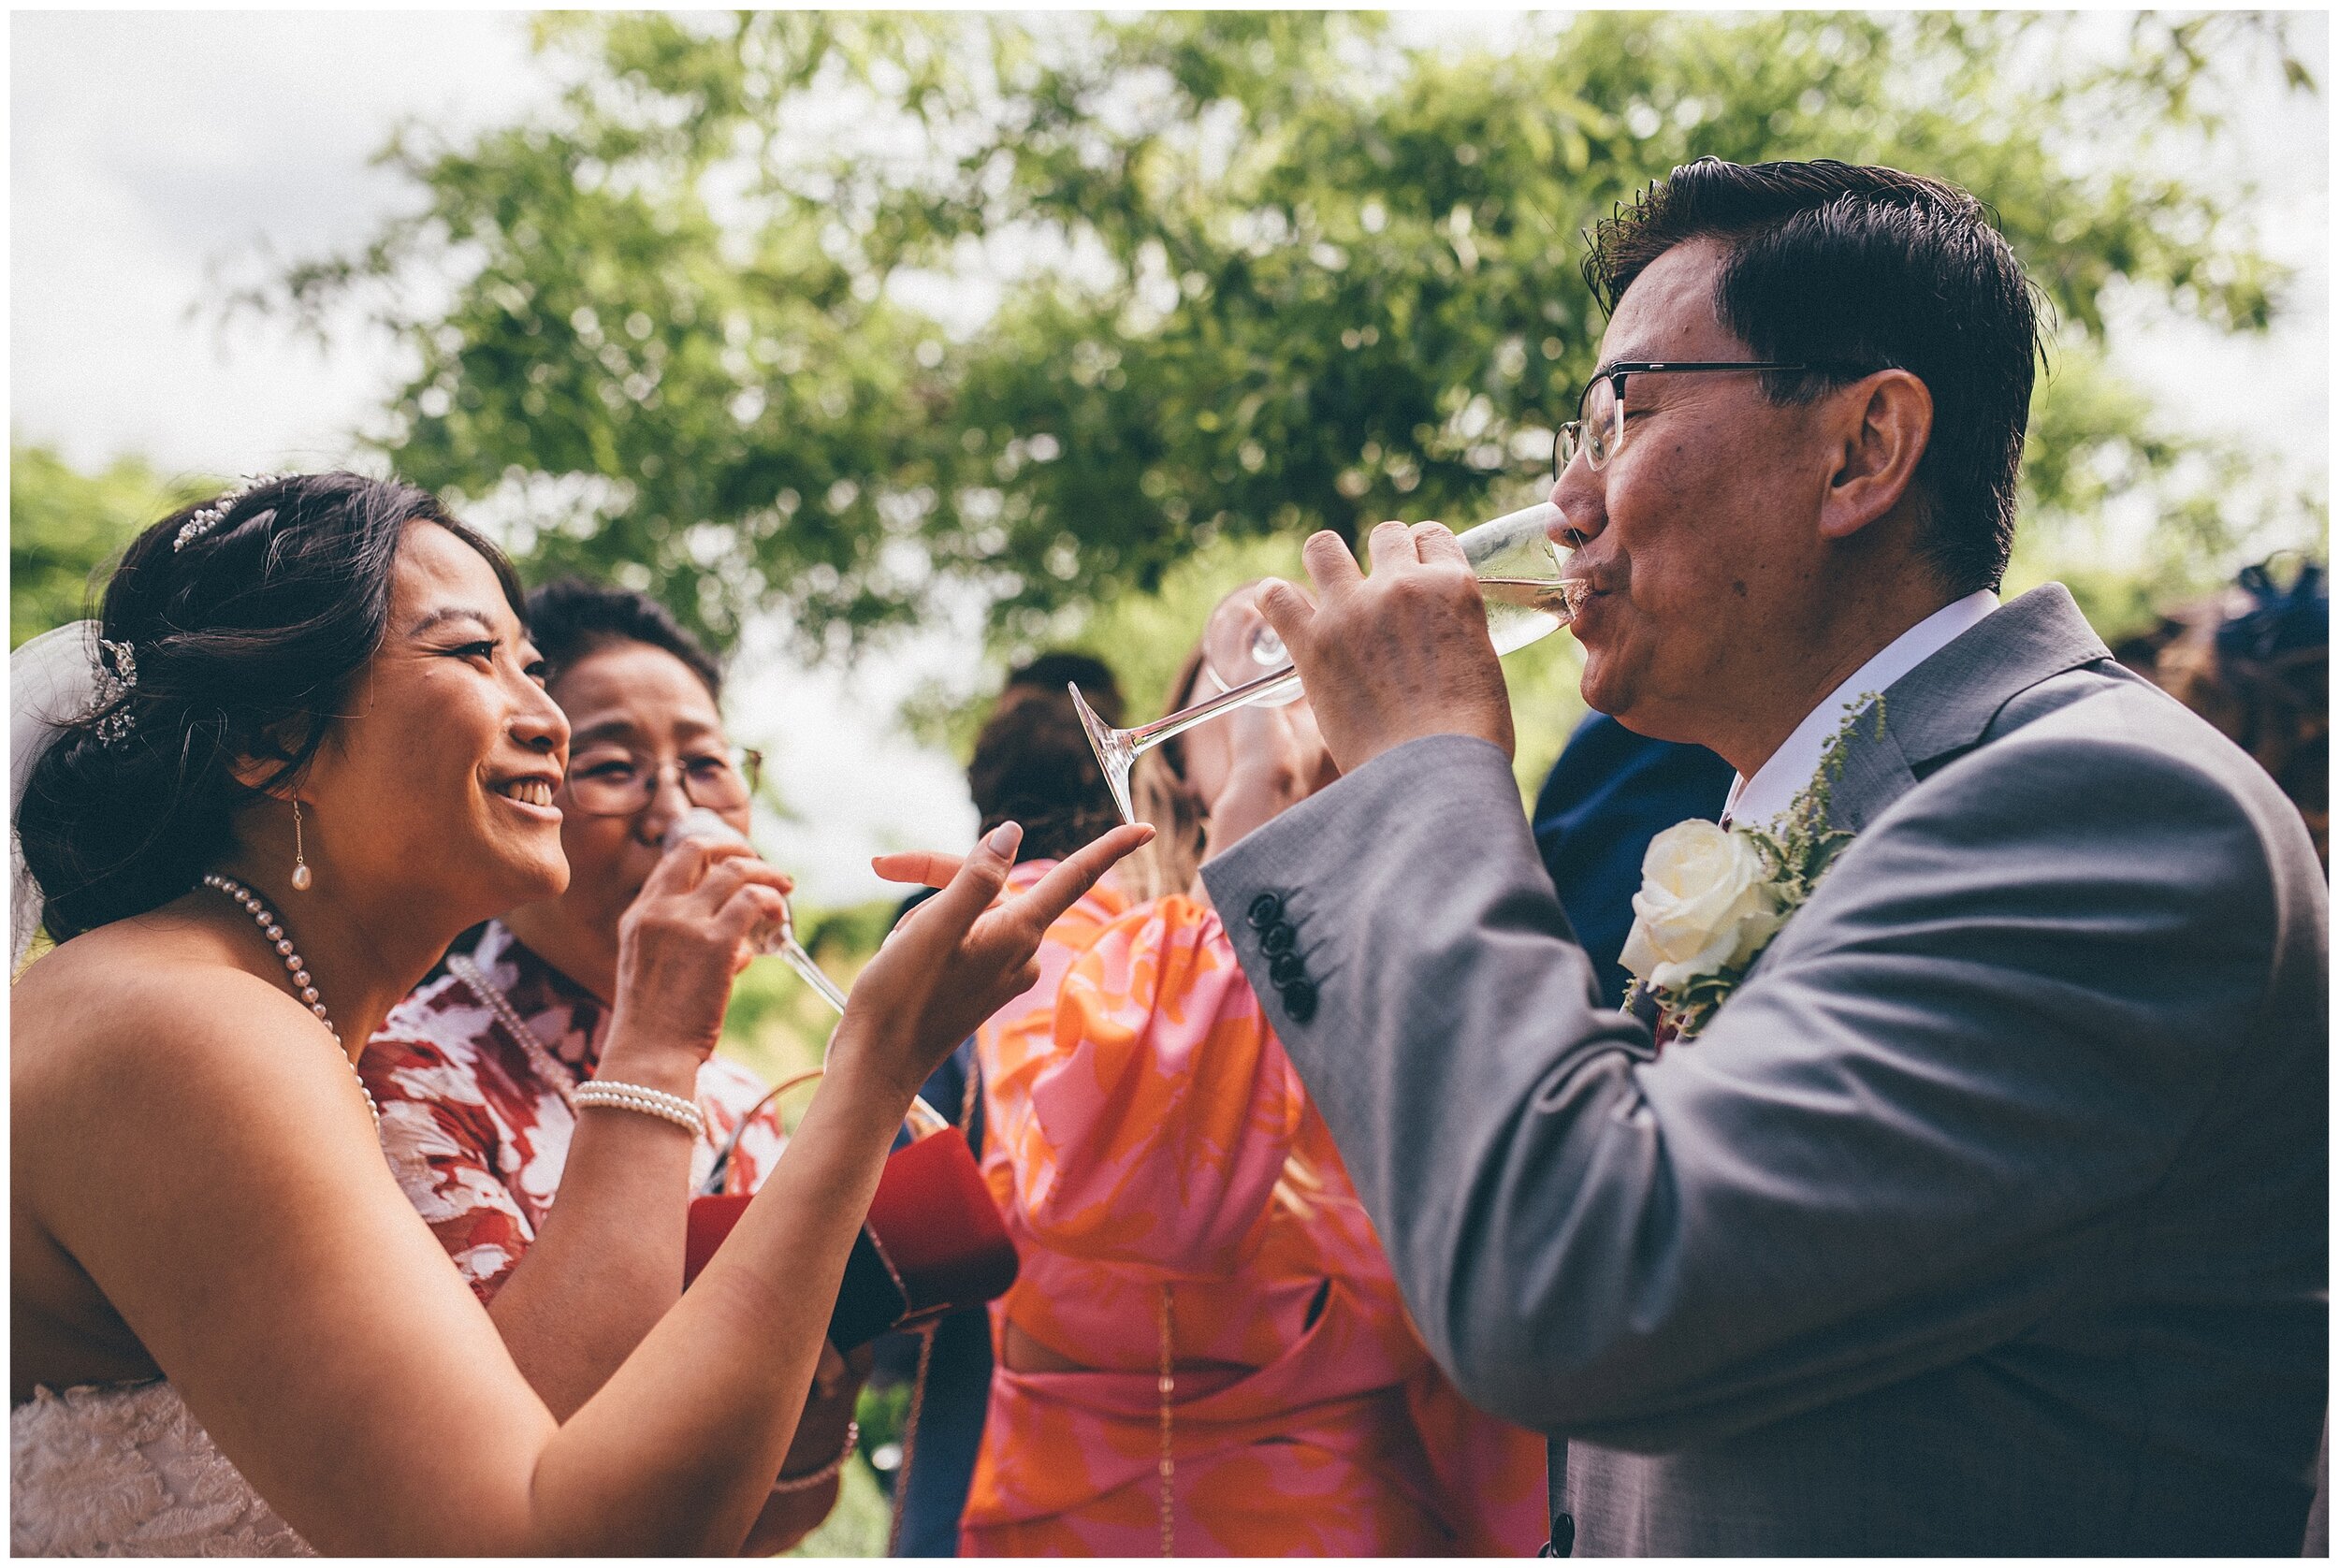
point(960, 956)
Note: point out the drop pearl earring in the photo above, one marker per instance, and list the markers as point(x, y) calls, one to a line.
point(301, 878)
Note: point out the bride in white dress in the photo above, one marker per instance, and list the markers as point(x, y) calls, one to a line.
point(308, 751)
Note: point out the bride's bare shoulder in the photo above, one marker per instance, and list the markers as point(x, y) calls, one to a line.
point(128, 990)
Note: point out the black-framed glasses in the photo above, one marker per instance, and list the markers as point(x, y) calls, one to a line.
point(617, 783)
point(1598, 429)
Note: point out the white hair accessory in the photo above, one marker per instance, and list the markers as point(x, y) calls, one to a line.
point(116, 676)
point(54, 680)
point(212, 515)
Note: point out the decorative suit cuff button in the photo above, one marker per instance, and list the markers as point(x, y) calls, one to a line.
point(1285, 967)
point(1300, 1000)
point(1277, 938)
point(1266, 909)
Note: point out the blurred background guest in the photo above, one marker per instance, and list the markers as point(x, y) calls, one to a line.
point(1204, 1353)
point(1032, 764)
point(475, 1073)
point(2255, 660)
point(1610, 793)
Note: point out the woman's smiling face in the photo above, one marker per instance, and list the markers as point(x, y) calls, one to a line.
point(439, 779)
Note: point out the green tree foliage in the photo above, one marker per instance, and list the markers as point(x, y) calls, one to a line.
point(1254, 273)
point(65, 527)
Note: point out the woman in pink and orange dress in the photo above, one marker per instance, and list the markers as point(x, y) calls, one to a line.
point(1205, 1352)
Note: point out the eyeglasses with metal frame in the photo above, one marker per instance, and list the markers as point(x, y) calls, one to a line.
point(619, 783)
point(1598, 429)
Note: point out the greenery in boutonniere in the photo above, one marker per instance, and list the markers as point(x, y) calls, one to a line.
point(1712, 898)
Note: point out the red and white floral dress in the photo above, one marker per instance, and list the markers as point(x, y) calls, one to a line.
point(477, 1132)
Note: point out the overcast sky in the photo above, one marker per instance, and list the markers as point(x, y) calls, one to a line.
point(148, 152)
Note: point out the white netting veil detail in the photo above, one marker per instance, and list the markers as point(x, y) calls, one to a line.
point(53, 680)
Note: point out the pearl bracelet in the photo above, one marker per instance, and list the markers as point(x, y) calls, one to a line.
point(634, 1097)
point(827, 1472)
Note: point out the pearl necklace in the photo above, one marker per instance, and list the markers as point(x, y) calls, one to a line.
point(550, 1068)
point(297, 968)
point(594, 1091)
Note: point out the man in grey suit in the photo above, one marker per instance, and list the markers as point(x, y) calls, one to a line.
point(1988, 1214)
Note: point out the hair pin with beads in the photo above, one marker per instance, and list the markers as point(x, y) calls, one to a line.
point(212, 515)
point(117, 677)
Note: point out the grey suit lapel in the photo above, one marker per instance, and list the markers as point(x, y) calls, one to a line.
point(1945, 704)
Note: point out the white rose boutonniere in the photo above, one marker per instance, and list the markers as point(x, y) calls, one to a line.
point(1711, 898)
point(1706, 904)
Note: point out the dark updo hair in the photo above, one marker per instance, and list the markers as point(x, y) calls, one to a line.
point(571, 617)
point(1033, 764)
point(1059, 668)
point(254, 627)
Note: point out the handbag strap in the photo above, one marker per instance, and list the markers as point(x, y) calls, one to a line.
point(924, 1120)
point(1168, 1386)
point(909, 1437)
point(718, 1172)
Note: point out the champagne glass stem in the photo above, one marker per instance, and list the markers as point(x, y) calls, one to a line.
point(800, 961)
point(1117, 750)
point(1273, 683)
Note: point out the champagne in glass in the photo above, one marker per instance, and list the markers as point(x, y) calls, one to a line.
point(1519, 561)
point(1523, 610)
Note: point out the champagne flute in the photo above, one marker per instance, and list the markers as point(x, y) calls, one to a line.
point(771, 938)
point(777, 939)
point(1266, 651)
point(1517, 560)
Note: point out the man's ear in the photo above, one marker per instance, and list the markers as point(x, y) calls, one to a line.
point(1881, 426)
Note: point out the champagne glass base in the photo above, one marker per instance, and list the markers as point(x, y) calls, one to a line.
point(1115, 756)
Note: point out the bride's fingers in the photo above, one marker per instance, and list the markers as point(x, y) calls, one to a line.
point(969, 892)
point(927, 867)
point(1073, 876)
point(1030, 914)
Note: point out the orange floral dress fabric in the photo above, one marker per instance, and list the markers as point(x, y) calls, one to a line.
point(1148, 1131)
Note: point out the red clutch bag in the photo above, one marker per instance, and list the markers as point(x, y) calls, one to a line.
point(933, 1242)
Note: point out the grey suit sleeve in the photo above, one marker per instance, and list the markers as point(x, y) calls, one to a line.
point(1895, 1146)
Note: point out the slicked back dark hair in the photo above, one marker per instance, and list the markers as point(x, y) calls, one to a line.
point(1868, 269)
point(571, 617)
point(247, 644)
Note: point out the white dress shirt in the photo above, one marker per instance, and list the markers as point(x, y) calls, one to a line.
point(1777, 782)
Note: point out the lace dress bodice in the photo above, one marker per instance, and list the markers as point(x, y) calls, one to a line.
point(127, 1471)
